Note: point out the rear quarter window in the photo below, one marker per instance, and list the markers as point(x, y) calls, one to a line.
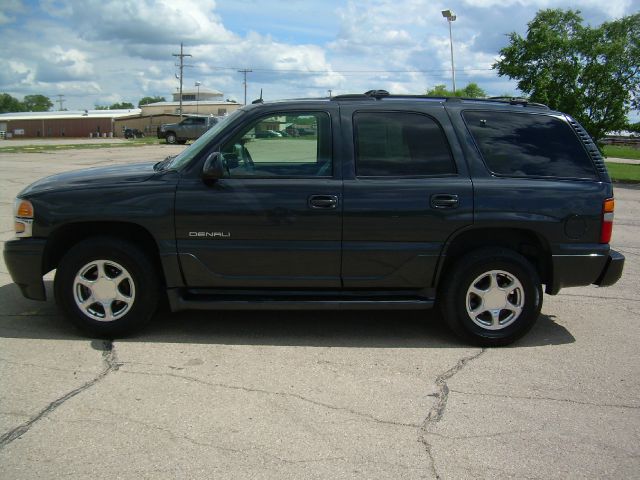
point(528, 145)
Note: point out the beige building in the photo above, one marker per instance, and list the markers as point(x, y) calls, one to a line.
point(201, 101)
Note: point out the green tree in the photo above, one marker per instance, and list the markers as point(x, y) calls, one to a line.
point(115, 106)
point(472, 90)
point(9, 104)
point(591, 73)
point(121, 106)
point(37, 103)
point(148, 100)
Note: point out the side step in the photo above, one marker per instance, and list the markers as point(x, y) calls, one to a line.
point(202, 300)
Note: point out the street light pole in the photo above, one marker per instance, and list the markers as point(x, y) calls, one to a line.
point(451, 17)
point(197, 96)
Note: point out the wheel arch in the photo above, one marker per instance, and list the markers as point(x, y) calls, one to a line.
point(527, 243)
point(65, 237)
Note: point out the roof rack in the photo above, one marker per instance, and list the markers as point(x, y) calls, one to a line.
point(380, 94)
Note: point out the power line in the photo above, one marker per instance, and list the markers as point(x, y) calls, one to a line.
point(300, 70)
point(181, 55)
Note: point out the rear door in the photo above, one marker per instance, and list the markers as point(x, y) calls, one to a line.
point(404, 195)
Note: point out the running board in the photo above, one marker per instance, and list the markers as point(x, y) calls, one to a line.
point(180, 300)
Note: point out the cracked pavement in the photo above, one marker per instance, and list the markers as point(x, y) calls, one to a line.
point(319, 395)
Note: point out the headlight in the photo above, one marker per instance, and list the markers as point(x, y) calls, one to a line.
point(23, 215)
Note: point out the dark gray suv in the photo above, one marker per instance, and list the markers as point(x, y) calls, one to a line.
point(385, 202)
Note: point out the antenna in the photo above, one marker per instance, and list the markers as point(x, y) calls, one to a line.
point(259, 100)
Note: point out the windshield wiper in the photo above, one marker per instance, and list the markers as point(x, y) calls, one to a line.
point(163, 163)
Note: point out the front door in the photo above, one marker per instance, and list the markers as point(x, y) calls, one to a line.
point(275, 219)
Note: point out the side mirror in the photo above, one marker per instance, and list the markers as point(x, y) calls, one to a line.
point(213, 168)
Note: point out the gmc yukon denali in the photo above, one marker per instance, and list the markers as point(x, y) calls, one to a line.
point(367, 201)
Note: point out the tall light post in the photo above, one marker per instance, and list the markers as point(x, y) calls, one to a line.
point(197, 95)
point(451, 17)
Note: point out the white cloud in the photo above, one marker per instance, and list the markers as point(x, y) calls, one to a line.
point(106, 49)
point(146, 22)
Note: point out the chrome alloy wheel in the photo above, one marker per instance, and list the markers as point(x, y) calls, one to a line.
point(495, 300)
point(103, 290)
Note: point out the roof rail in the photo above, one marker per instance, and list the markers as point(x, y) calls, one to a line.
point(377, 94)
point(369, 95)
point(380, 94)
point(518, 101)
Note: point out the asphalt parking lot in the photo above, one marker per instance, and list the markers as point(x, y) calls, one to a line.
point(292, 395)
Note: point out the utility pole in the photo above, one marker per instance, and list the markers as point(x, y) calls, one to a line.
point(60, 101)
point(181, 55)
point(245, 71)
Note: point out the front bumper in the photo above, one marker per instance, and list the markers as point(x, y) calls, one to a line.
point(24, 260)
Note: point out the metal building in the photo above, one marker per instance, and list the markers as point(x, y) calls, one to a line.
point(83, 123)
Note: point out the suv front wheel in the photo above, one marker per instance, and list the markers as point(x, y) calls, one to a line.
point(107, 287)
point(491, 297)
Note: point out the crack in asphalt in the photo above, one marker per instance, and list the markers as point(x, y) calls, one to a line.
point(110, 365)
point(176, 436)
point(363, 415)
point(551, 399)
point(437, 411)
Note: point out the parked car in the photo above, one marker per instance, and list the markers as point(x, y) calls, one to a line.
point(268, 134)
point(130, 133)
point(188, 129)
point(399, 202)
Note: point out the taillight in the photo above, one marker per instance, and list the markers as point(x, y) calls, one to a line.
point(606, 227)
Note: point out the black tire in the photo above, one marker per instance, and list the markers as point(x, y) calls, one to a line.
point(138, 286)
point(171, 138)
point(467, 286)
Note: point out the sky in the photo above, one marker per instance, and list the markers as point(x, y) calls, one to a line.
point(100, 52)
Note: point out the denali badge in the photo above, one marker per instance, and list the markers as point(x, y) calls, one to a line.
point(210, 234)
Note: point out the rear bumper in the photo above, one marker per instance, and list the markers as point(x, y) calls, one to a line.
point(612, 271)
point(598, 266)
point(24, 261)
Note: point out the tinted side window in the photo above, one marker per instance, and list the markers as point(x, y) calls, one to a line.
point(282, 145)
point(526, 145)
point(400, 144)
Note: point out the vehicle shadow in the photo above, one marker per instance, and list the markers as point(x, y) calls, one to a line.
point(22, 318)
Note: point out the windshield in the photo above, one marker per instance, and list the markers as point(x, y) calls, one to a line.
point(194, 149)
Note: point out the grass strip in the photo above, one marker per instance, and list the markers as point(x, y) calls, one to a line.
point(85, 146)
point(623, 172)
point(620, 151)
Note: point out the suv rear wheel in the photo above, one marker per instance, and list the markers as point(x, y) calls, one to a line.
point(106, 286)
point(491, 297)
